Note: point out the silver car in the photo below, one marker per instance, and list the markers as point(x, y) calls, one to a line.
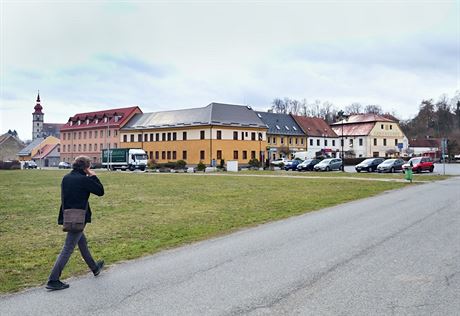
point(329, 164)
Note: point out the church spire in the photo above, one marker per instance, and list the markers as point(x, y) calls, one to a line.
point(38, 97)
point(38, 108)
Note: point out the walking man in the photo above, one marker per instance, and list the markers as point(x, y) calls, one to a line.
point(75, 190)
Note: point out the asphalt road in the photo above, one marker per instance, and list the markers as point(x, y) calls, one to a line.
point(397, 253)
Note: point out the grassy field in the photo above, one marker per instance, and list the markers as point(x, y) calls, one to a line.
point(144, 213)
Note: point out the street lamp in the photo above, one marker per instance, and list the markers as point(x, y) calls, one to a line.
point(342, 116)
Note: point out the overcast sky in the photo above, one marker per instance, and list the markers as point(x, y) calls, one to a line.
point(160, 55)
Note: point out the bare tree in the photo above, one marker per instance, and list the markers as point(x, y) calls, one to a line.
point(373, 109)
point(354, 108)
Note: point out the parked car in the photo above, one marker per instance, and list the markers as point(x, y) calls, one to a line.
point(307, 165)
point(30, 164)
point(279, 161)
point(390, 165)
point(292, 165)
point(329, 164)
point(369, 165)
point(64, 165)
point(420, 164)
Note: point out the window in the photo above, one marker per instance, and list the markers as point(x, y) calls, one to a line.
point(381, 126)
point(139, 137)
point(150, 155)
point(253, 154)
point(235, 135)
point(396, 142)
point(84, 147)
point(63, 148)
point(287, 127)
point(174, 155)
point(163, 136)
point(219, 154)
point(74, 148)
point(375, 154)
point(95, 147)
point(132, 137)
point(245, 154)
point(277, 127)
point(325, 142)
point(90, 134)
point(157, 155)
point(79, 135)
point(101, 134)
point(341, 142)
point(202, 155)
point(116, 132)
point(84, 135)
point(282, 140)
point(295, 128)
point(63, 137)
point(333, 142)
point(174, 136)
point(235, 154)
point(384, 142)
point(242, 135)
point(296, 140)
point(157, 137)
point(108, 133)
point(351, 142)
point(74, 135)
point(95, 134)
point(253, 136)
point(163, 155)
point(151, 139)
point(391, 126)
point(169, 137)
point(90, 147)
point(360, 142)
point(274, 140)
point(311, 142)
point(219, 136)
point(79, 147)
point(184, 154)
point(317, 142)
point(375, 143)
point(201, 134)
point(168, 155)
point(184, 135)
point(268, 140)
point(146, 137)
point(100, 146)
point(290, 140)
point(301, 141)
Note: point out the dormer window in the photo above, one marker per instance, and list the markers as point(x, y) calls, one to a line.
point(71, 123)
point(277, 127)
point(116, 118)
point(295, 128)
point(105, 119)
point(97, 121)
point(87, 121)
point(79, 122)
point(286, 127)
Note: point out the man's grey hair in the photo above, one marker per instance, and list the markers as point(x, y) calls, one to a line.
point(81, 163)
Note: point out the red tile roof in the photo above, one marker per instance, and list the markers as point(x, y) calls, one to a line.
point(122, 113)
point(44, 151)
point(364, 118)
point(425, 142)
point(314, 126)
point(362, 129)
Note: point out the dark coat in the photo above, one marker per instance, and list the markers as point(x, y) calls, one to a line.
point(76, 188)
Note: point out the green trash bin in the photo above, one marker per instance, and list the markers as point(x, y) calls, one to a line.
point(409, 174)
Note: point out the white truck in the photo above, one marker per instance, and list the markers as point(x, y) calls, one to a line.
point(125, 158)
point(302, 155)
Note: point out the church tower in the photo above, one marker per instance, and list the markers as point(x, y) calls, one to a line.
point(37, 119)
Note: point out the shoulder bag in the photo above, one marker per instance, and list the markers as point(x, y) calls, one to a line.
point(74, 219)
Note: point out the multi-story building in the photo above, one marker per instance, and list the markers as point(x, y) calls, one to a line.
point(370, 135)
point(89, 133)
point(284, 135)
point(209, 134)
point(321, 139)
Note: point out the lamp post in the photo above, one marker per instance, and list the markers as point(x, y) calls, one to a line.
point(342, 116)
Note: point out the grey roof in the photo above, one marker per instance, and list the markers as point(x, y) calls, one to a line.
point(280, 124)
point(26, 151)
point(213, 114)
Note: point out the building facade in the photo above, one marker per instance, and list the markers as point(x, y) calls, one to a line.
point(284, 135)
point(35, 146)
point(10, 145)
point(89, 133)
point(47, 156)
point(371, 135)
point(211, 135)
point(321, 139)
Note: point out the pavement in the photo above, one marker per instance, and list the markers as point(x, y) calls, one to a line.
point(394, 254)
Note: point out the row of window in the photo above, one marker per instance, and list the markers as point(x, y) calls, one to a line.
point(83, 147)
point(291, 140)
point(350, 142)
point(88, 134)
point(386, 126)
point(96, 120)
point(172, 136)
point(172, 155)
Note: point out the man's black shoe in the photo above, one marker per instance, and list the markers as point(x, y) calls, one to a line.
point(56, 285)
point(100, 265)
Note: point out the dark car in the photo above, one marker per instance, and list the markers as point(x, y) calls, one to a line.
point(420, 164)
point(369, 165)
point(390, 165)
point(292, 165)
point(307, 165)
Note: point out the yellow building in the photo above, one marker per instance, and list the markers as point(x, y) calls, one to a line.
point(33, 148)
point(210, 134)
point(371, 135)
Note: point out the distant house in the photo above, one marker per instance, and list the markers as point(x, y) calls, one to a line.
point(425, 146)
point(10, 144)
point(321, 139)
point(47, 156)
point(371, 135)
point(36, 145)
point(284, 135)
